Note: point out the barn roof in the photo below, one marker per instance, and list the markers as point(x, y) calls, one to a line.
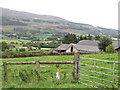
point(87, 48)
point(95, 43)
point(63, 47)
point(88, 42)
point(116, 44)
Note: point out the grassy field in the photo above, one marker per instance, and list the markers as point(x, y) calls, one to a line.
point(47, 78)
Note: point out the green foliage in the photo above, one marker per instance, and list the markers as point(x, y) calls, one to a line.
point(4, 46)
point(97, 37)
point(110, 49)
point(22, 49)
point(89, 37)
point(104, 42)
point(70, 38)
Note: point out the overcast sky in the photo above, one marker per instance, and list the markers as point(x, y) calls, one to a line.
point(102, 13)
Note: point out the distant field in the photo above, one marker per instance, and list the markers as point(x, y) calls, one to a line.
point(43, 36)
point(46, 70)
point(15, 40)
point(21, 40)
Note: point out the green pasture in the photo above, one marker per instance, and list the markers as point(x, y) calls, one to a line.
point(47, 75)
point(15, 40)
point(43, 36)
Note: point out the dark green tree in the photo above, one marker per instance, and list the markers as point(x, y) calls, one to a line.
point(104, 42)
point(4, 46)
point(70, 38)
point(97, 37)
point(85, 37)
point(80, 37)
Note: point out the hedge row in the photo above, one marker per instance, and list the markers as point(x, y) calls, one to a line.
point(31, 54)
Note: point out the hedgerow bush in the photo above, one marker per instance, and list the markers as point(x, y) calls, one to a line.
point(39, 53)
point(110, 49)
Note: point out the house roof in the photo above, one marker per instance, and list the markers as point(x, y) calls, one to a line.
point(63, 47)
point(88, 42)
point(116, 44)
point(87, 48)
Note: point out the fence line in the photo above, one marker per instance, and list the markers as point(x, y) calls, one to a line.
point(99, 60)
point(41, 62)
point(95, 83)
point(99, 78)
point(98, 67)
point(95, 60)
point(38, 63)
point(99, 72)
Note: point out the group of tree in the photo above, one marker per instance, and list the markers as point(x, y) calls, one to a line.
point(40, 45)
point(105, 42)
point(72, 38)
point(4, 46)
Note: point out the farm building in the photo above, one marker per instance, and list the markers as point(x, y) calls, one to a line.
point(84, 46)
point(66, 48)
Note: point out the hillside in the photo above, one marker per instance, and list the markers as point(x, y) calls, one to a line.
point(23, 22)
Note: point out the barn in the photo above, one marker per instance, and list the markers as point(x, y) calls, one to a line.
point(66, 48)
point(84, 46)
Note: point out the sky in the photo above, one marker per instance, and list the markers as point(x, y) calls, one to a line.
point(102, 13)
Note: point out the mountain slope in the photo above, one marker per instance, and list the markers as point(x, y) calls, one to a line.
point(24, 22)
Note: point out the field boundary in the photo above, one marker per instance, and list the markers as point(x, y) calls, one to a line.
point(38, 63)
point(96, 72)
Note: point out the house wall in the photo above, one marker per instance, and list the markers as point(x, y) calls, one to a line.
point(69, 49)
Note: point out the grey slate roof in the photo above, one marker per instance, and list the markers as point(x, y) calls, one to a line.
point(88, 42)
point(116, 44)
point(63, 47)
point(88, 45)
point(87, 48)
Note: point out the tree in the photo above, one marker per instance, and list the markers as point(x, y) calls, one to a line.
point(81, 37)
point(97, 37)
point(104, 42)
point(110, 49)
point(4, 46)
point(22, 49)
point(70, 38)
point(85, 37)
point(89, 37)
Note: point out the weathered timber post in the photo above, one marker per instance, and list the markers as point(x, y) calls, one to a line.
point(76, 66)
point(38, 68)
point(5, 71)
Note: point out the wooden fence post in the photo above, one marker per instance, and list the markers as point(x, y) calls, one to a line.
point(5, 71)
point(38, 68)
point(76, 66)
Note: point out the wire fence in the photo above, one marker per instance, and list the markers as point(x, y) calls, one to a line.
point(90, 73)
